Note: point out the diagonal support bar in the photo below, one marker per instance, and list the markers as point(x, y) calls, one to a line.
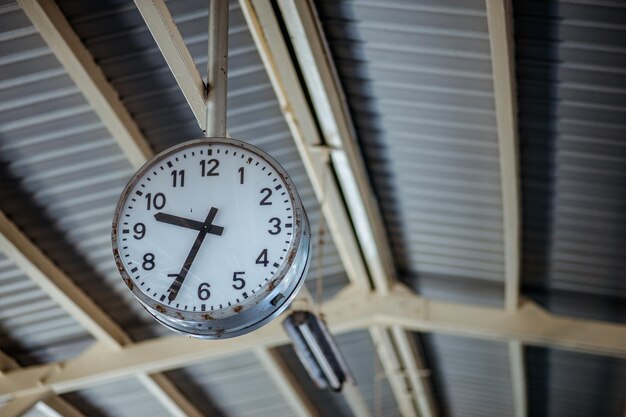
point(169, 40)
point(54, 406)
point(286, 383)
point(501, 41)
point(81, 67)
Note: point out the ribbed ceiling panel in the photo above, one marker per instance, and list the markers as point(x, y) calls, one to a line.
point(471, 377)
point(125, 398)
point(417, 75)
point(569, 384)
point(33, 328)
point(236, 386)
point(572, 114)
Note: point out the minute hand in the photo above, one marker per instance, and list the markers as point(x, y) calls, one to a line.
point(192, 255)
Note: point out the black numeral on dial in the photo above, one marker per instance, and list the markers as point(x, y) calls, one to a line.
point(262, 259)
point(203, 291)
point(178, 178)
point(158, 201)
point(240, 170)
point(267, 193)
point(239, 282)
point(209, 167)
point(148, 261)
point(140, 231)
point(275, 222)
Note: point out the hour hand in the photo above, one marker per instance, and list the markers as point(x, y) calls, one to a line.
point(188, 223)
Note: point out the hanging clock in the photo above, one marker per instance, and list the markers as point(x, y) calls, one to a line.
point(212, 238)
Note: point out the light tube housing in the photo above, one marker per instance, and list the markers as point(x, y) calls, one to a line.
point(317, 350)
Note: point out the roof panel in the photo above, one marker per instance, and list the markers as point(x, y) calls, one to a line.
point(471, 376)
point(572, 100)
point(417, 76)
point(575, 384)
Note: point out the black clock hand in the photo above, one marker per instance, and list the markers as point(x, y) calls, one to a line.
point(188, 223)
point(178, 282)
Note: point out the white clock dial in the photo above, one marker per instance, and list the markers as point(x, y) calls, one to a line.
point(207, 230)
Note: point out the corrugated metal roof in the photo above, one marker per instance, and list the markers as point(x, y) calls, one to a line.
point(573, 384)
point(233, 386)
point(125, 398)
point(471, 376)
point(572, 114)
point(417, 75)
point(33, 327)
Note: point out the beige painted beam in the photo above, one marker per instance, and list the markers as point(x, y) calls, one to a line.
point(355, 400)
point(518, 378)
point(165, 32)
point(286, 383)
point(353, 309)
point(501, 40)
point(275, 56)
point(393, 369)
point(19, 406)
point(330, 105)
point(169, 395)
point(500, 24)
point(87, 75)
point(53, 406)
point(416, 369)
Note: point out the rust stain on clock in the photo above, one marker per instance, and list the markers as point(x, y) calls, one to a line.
point(129, 283)
point(207, 317)
point(159, 308)
point(237, 309)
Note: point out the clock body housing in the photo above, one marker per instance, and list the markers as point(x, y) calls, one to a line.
point(211, 237)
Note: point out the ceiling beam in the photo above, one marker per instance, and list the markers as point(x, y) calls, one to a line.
point(286, 383)
point(169, 40)
point(330, 106)
point(501, 41)
point(315, 157)
point(394, 371)
point(54, 406)
point(88, 77)
point(352, 309)
point(19, 406)
point(518, 378)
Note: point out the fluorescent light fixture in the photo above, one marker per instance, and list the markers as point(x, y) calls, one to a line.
point(317, 350)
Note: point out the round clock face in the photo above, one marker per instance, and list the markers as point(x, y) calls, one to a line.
point(211, 237)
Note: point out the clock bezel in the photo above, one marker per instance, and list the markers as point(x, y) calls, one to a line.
point(260, 307)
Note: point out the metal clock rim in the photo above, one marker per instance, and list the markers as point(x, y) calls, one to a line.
point(176, 318)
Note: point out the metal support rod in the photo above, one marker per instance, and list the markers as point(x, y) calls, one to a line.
point(217, 68)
